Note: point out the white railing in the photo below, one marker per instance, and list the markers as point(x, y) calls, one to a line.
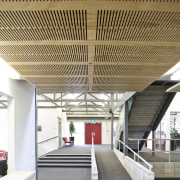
point(94, 171)
point(48, 140)
point(135, 154)
point(155, 148)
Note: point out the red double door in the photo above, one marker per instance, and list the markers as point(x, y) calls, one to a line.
point(96, 130)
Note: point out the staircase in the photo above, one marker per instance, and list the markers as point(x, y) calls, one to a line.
point(65, 160)
point(146, 112)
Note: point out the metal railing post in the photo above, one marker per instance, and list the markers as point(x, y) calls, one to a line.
point(170, 150)
point(135, 154)
point(153, 142)
point(138, 149)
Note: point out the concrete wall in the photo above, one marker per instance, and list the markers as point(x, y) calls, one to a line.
point(20, 175)
point(166, 169)
point(135, 170)
point(21, 123)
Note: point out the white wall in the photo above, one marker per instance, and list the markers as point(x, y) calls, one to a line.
point(48, 120)
point(3, 129)
point(105, 130)
point(65, 128)
point(24, 125)
point(21, 123)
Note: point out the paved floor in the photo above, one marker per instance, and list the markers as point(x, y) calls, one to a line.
point(109, 167)
point(158, 156)
point(74, 149)
point(64, 173)
point(67, 173)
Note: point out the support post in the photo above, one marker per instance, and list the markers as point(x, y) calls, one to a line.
point(153, 143)
point(112, 122)
point(125, 134)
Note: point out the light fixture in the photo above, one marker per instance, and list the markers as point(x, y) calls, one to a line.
point(90, 63)
point(8, 70)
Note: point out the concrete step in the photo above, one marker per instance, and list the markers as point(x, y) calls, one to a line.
point(64, 165)
point(64, 158)
point(66, 161)
point(63, 155)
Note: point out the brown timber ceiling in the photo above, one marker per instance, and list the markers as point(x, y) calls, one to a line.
point(90, 45)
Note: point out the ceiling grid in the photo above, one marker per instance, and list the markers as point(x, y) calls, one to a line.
point(90, 45)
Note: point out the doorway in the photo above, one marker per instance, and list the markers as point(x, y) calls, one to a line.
point(94, 128)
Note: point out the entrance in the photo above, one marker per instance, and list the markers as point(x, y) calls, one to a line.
point(96, 130)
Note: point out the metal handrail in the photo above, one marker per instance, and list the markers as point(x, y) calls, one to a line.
point(94, 170)
point(151, 139)
point(135, 154)
point(160, 148)
point(48, 140)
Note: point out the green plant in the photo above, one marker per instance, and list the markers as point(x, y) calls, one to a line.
point(71, 128)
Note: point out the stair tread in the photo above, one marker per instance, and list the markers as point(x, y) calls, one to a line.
point(87, 158)
point(67, 161)
point(64, 165)
point(68, 154)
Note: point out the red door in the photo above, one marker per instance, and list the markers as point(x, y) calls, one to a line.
point(96, 130)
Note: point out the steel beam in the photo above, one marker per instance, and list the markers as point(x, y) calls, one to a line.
point(79, 100)
point(125, 134)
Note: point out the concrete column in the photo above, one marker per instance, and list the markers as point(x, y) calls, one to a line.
point(112, 122)
point(125, 134)
point(153, 143)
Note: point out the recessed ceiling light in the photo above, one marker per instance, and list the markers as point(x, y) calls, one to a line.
point(91, 63)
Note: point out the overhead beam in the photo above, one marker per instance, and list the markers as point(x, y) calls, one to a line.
point(90, 118)
point(80, 100)
point(93, 43)
point(74, 106)
point(76, 111)
point(89, 5)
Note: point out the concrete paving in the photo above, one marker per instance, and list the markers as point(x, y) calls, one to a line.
point(64, 173)
point(109, 167)
point(158, 156)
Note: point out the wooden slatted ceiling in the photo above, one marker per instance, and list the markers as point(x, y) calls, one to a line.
point(44, 25)
point(90, 45)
